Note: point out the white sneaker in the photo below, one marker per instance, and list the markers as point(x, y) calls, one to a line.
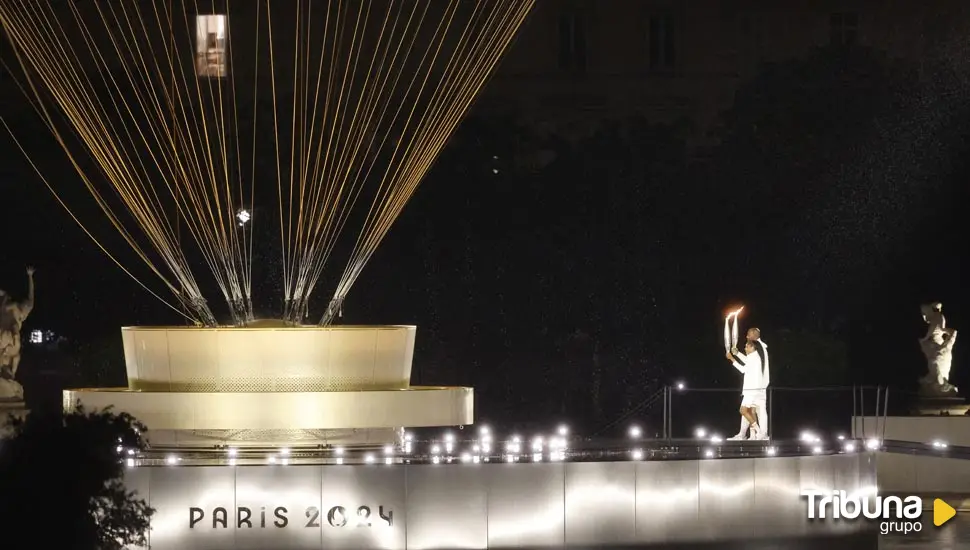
point(739, 437)
point(755, 432)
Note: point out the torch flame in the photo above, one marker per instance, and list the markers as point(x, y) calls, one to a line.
point(731, 330)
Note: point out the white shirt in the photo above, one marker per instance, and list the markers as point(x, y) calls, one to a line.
point(751, 369)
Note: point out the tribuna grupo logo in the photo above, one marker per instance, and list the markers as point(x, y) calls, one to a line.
point(895, 514)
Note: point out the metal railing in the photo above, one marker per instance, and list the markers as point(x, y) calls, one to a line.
point(791, 411)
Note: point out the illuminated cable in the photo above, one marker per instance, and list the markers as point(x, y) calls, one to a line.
point(376, 93)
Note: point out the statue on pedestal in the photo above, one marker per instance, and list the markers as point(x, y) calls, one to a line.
point(937, 346)
point(12, 316)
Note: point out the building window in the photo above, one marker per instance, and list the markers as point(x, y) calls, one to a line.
point(844, 28)
point(210, 45)
point(662, 49)
point(572, 42)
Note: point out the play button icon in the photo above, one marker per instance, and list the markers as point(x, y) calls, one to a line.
point(942, 512)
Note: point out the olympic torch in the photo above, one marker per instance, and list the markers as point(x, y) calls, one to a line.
point(731, 330)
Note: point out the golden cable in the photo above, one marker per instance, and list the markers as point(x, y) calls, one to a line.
point(276, 141)
point(212, 201)
point(355, 267)
point(343, 214)
point(57, 197)
point(163, 246)
point(50, 121)
point(311, 245)
point(339, 138)
point(90, 235)
point(387, 183)
point(100, 156)
point(351, 267)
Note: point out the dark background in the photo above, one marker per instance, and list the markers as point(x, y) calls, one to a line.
point(569, 274)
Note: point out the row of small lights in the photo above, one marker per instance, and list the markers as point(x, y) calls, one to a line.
point(480, 450)
point(556, 446)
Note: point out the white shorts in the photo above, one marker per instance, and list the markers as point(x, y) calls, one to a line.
point(754, 398)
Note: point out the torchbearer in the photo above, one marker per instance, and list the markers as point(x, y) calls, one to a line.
point(753, 364)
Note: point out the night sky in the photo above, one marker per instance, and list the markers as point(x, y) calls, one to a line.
point(571, 277)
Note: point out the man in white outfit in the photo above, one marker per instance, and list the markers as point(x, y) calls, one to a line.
point(753, 364)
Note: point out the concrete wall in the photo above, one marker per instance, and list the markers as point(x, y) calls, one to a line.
point(954, 430)
point(546, 505)
point(927, 475)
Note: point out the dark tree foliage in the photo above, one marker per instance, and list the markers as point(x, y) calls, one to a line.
point(61, 483)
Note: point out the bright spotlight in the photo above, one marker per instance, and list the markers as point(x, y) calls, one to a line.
point(940, 444)
point(563, 430)
point(436, 460)
point(484, 430)
point(807, 437)
point(408, 436)
point(435, 449)
point(232, 451)
point(841, 437)
point(369, 458)
point(339, 451)
point(708, 453)
point(637, 454)
point(119, 448)
point(635, 432)
point(388, 450)
point(770, 451)
point(700, 433)
point(873, 444)
point(716, 438)
point(817, 450)
point(449, 437)
point(388, 461)
point(681, 386)
point(232, 461)
point(243, 216)
point(272, 460)
point(466, 458)
point(849, 447)
point(171, 460)
point(130, 462)
point(285, 451)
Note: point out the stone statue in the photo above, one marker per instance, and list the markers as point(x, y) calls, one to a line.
point(12, 316)
point(937, 346)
